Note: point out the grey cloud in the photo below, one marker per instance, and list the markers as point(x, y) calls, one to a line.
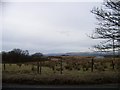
point(48, 27)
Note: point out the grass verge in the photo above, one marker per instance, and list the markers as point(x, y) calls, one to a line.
point(64, 79)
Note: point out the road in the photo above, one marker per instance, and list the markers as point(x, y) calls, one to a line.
point(110, 86)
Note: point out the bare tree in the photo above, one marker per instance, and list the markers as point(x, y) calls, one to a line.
point(108, 27)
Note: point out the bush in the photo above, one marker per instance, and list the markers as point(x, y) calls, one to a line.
point(19, 65)
point(100, 68)
point(68, 67)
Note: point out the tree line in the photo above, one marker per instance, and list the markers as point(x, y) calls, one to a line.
point(19, 55)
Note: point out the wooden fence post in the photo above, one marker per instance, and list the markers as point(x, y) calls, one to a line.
point(61, 67)
point(38, 67)
point(92, 64)
point(4, 66)
point(113, 65)
point(32, 67)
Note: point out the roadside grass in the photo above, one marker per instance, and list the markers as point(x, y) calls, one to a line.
point(64, 79)
point(73, 77)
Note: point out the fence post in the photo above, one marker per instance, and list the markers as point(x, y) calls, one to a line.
point(92, 63)
point(61, 67)
point(37, 66)
point(40, 68)
point(113, 65)
point(4, 66)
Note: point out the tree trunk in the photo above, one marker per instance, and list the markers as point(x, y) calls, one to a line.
point(113, 54)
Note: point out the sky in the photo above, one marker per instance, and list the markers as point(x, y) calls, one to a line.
point(48, 27)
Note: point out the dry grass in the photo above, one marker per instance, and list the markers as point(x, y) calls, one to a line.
point(24, 75)
point(67, 78)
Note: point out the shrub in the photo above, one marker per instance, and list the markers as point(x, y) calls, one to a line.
point(68, 67)
point(19, 65)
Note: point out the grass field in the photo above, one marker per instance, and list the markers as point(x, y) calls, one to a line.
point(75, 70)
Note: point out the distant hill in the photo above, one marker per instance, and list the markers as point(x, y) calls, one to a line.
point(82, 54)
point(54, 54)
point(75, 54)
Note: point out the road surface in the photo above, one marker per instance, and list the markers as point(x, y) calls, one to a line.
point(104, 86)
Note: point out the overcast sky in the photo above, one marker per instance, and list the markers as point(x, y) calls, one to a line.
point(48, 27)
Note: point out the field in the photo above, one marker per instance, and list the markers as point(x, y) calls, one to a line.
point(65, 71)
